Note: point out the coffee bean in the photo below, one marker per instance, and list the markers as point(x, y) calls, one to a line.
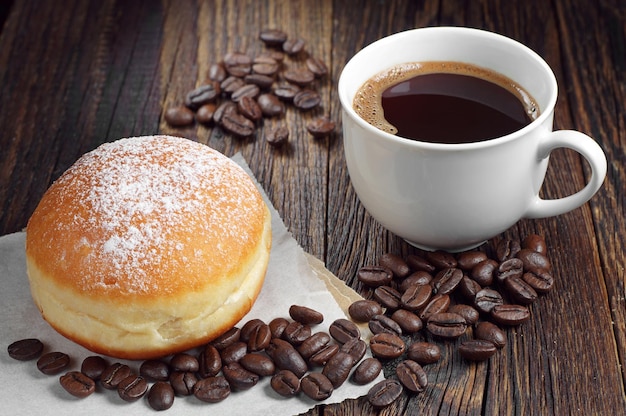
point(316, 386)
point(286, 357)
point(205, 113)
point(161, 396)
point(234, 352)
point(113, 375)
point(293, 46)
point(419, 278)
point(202, 95)
point(209, 361)
point(25, 349)
point(338, 368)
point(507, 249)
point(316, 66)
point(419, 263)
point(236, 124)
point(286, 91)
point(367, 371)
point(383, 393)
point(424, 352)
point(77, 384)
point(179, 116)
point(356, 348)
point(264, 82)
point(296, 333)
point(483, 272)
point(259, 338)
point(536, 243)
point(212, 389)
point(477, 349)
point(184, 362)
point(382, 323)
point(237, 64)
point(53, 362)
point(183, 382)
point(446, 325)
point(259, 364)
point(542, 281)
point(490, 332)
point(533, 261)
point(509, 268)
point(320, 127)
point(387, 346)
point(273, 37)
point(277, 136)
point(412, 376)
point(388, 297)
point(249, 108)
point(270, 105)
point(93, 367)
point(227, 338)
point(265, 65)
point(132, 388)
point(396, 264)
point(305, 315)
point(409, 322)
point(441, 259)
point(374, 276)
point(437, 304)
point(313, 344)
point(520, 291)
point(467, 260)
point(246, 90)
point(510, 314)
point(469, 288)
point(468, 313)
point(363, 310)
point(231, 84)
point(306, 99)
point(217, 72)
point(321, 357)
point(447, 280)
point(343, 330)
point(285, 383)
point(486, 299)
point(277, 327)
point(155, 370)
point(238, 377)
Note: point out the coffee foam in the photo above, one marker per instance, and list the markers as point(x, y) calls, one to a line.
point(368, 100)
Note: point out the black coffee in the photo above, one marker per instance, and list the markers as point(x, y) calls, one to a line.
point(444, 102)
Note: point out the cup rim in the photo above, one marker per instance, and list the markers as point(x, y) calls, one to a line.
point(546, 113)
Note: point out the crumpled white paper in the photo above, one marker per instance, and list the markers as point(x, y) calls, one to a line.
point(293, 277)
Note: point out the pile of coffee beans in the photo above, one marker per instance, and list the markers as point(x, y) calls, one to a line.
point(241, 90)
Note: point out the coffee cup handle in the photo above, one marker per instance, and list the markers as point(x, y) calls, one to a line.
point(591, 151)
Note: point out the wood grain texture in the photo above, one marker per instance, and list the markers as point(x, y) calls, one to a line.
point(75, 74)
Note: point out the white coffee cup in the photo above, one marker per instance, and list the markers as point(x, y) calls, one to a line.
point(456, 196)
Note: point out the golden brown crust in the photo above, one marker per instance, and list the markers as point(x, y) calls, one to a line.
point(148, 238)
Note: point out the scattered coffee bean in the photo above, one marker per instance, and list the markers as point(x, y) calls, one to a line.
point(338, 368)
point(273, 37)
point(183, 382)
point(313, 344)
point(53, 362)
point(321, 357)
point(383, 393)
point(259, 364)
point(418, 278)
point(202, 95)
point(486, 299)
point(483, 272)
point(209, 361)
point(412, 376)
point(93, 367)
point(520, 291)
point(277, 136)
point(286, 91)
point(388, 297)
point(424, 352)
point(156, 370)
point(533, 261)
point(507, 249)
point(437, 304)
point(249, 108)
point(228, 338)
point(343, 330)
point(77, 384)
point(113, 375)
point(416, 296)
point(316, 386)
point(356, 348)
point(286, 357)
point(305, 315)
point(364, 310)
point(316, 66)
point(447, 280)
point(184, 362)
point(285, 383)
point(383, 323)
point(374, 276)
point(293, 46)
point(509, 268)
point(270, 105)
point(441, 259)
point(234, 352)
point(490, 332)
point(409, 322)
point(212, 389)
point(510, 314)
point(419, 263)
point(179, 116)
point(161, 396)
point(477, 349)
point(296, 333)
point(536, 243)
point(467, 260)
point(320, 127)
point(260, 338)
point(446, 325)
point(132, 388)
point(541, 280)
point(367, 371)
point(387, 346)
point(238, 377)
point(469, 313)
point(307, 99)
point(25, 349)
point(277, 327)
point(217, 72)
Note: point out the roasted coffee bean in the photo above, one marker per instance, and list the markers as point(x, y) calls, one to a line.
point(209, 361)
point(249, 108)
point(383, 393)
point(320, 127)
point(382, 323)
point(217, 72)
point(424, 352)
point(237, 64)
point(412, 376)
point(437, 304)
point(259, 364)
point(447, 280)
point(510, 314)
point(338, 368)
point(293, 46)
point(183, 382)
point(155, 370)
point(286, 91)
point(285, 383)
point(343, 330)
point(265, 65)
point(273, 37)
point(277, 136)
point(542, 281)
point(486, 299)
point(388, 297)
point(264, 82)
point(441, 259)
point(113, 375)
point(387, 346)
point(467, 260)
point(483, 272)
point(409, 322)
point(227, 107)
point(316, 386)
point(367, 371)
point(469, 288)
point(507, 249)
point(286, 357)
point(25, 349)
point(296, 333)
point(184, 362)
point(536, 243)
point(520, 291)
point(270, 105)
point(205, 113)
point(446, 325)
point(417, 263)
point(396, 264)
point(299, 76)
point(161, 396)
point(132, 388)
point(234, 352)
point(212, 389)
point(231, 84)
point(238, 377)
point(259, 338)
point(509, 268)
point(321, 357)
point(204, 94)
point(374, 276)
point(237, 125)
point(533, 261)
point(469, 313)
point(277, 327)
point(227, 338)
point(313, 344)
point(305, 315)
point(316, 66)
point(179, 116)
point(356, 348)
point(93, 367)
point(363, 310)
point(247, 90)
point(306, 99)
point(490, 332)
point(419, 278)
point(77, 384)
point(53, 362)
point(477, 350)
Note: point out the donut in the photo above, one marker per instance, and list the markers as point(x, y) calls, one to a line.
point(148, 246)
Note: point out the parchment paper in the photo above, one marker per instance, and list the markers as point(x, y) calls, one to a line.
point(293, 277)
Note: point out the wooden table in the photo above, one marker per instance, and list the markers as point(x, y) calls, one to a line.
point(75, 74)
